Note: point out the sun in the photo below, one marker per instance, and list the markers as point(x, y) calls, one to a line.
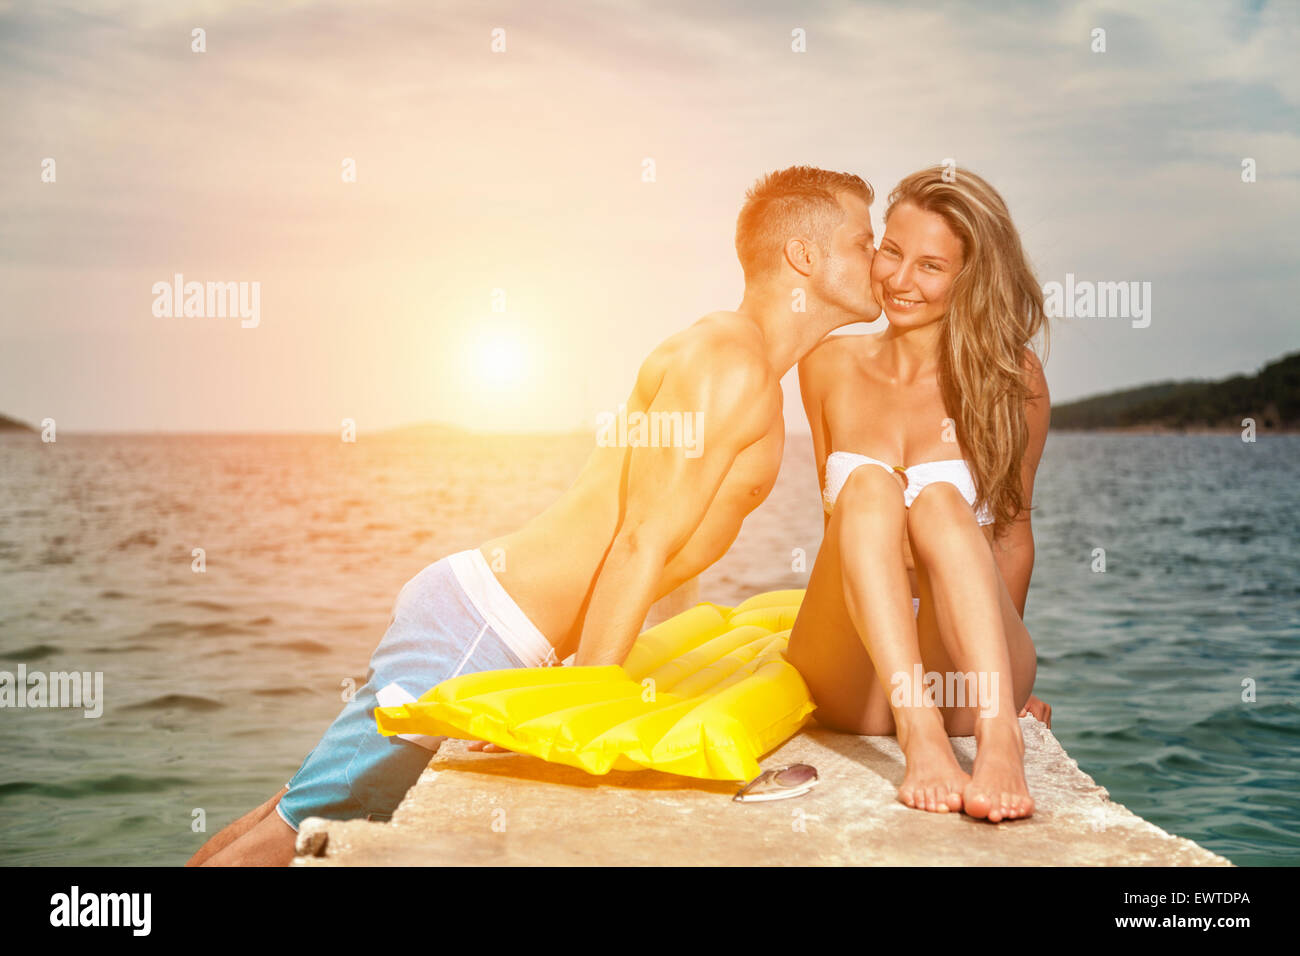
point(498, 356)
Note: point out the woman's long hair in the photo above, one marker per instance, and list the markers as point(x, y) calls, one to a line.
point(994, 314)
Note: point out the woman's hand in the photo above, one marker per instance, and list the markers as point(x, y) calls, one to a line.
point(1039, 710)
point(483, 747)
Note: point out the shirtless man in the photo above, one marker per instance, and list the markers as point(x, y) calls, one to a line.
point(637, 523)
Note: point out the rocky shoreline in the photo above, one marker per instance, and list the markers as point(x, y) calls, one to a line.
point(1155, 429)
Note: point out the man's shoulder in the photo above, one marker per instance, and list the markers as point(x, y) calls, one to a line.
point(724, 328)
point(722, 345)
point(715, 363)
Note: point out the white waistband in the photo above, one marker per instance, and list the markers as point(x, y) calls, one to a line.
point(500, 611)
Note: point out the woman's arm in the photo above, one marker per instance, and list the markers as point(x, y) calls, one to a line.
point(1014, 551)
point(811, 391)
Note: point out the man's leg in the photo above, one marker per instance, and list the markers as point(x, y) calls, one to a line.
point(270, 842)
point(355, 772)
point(233, 831)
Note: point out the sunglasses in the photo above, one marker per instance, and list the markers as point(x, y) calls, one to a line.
point(778, 784)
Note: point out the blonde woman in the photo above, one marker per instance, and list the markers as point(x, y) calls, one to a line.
point(927, 437)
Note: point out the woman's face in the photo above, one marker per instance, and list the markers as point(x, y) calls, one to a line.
point(914, 270)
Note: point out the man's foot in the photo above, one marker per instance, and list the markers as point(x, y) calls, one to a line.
point(997, 791)
point(934, 781)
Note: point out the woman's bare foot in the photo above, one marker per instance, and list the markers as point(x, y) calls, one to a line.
point(997, 791)
point(934, 781)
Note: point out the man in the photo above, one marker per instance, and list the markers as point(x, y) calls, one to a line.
point(640, 520)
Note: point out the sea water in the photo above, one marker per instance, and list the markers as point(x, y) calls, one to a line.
point(229, 589)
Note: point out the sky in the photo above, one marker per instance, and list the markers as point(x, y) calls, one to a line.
point(501, 261)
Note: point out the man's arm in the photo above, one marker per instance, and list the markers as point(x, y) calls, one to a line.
point(1014, 551)
point(681, 598)
point(668, 494)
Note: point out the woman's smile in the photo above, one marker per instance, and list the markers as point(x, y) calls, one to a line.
point(903, 304)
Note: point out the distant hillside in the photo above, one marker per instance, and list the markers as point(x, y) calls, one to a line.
point(1271, 397)
point(8, 424)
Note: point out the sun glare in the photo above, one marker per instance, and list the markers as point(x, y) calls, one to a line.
point(500, 375)
point(498, 356)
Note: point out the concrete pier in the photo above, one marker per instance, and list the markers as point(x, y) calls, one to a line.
point(509, 810)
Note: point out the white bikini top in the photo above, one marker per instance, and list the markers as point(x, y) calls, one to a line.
point(955, 471)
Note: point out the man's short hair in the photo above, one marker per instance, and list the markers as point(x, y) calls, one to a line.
point(799, 201)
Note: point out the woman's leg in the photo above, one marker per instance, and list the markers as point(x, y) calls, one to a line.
point(937, 650)
point(964, 602)
point(855, 631)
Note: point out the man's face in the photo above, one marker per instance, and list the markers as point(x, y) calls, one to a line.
point(844, 278)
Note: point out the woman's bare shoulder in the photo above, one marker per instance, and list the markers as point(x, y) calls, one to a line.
point(823, 365)
point(840, 348)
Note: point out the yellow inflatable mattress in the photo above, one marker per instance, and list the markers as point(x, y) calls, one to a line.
point(704, 694)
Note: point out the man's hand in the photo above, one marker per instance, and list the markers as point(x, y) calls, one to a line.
point(1039, 710)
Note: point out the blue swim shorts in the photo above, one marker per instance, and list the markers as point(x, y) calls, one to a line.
point(452, 618)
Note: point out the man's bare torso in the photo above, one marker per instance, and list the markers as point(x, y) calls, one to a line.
point(549, 566)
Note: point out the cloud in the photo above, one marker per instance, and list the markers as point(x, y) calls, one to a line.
point(523, 169)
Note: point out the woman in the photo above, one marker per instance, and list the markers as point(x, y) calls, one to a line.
point(927, 437)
